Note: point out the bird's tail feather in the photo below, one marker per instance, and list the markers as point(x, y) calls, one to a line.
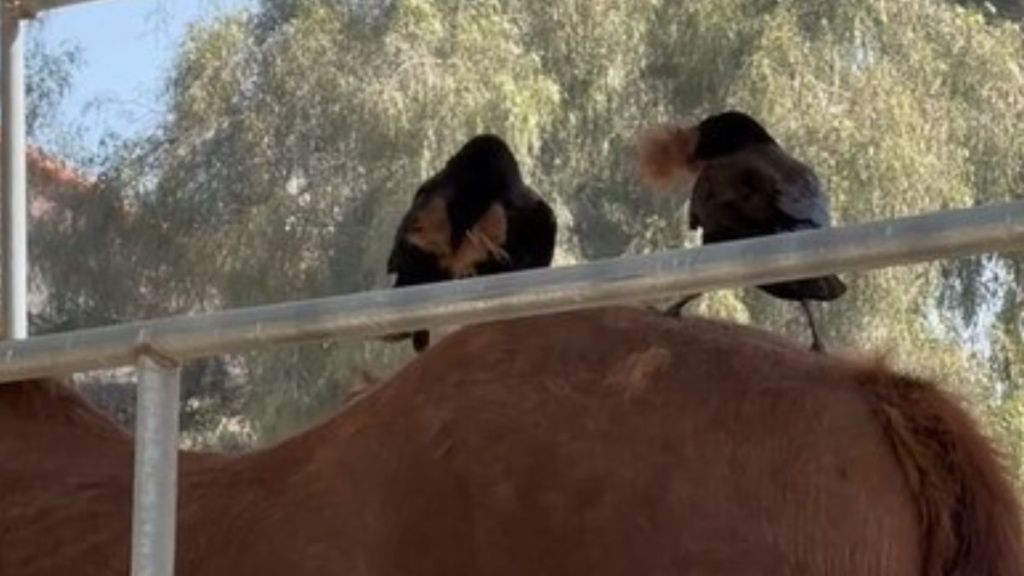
point(822, 288)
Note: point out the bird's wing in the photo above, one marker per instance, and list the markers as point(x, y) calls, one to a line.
point(392, 267)
point(395, 256)
point(533, 232)
point(799, 196)
point(760, 191)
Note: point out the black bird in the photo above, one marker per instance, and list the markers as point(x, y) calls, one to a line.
point(475, 217)
point(743, 185)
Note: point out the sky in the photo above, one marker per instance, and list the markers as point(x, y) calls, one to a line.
point(127, 48)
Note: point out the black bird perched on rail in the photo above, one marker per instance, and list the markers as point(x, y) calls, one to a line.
point(475, 217)
point(743, 185)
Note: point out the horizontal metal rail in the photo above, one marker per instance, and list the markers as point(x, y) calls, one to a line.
point(782, 257)
point(30, 8)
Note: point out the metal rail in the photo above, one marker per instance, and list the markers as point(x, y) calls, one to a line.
point(156, 467)
point(782, 257)
point(29, 8)
point(12, 166)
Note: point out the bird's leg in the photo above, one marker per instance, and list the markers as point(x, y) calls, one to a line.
point(817, 345)
point(676, 309)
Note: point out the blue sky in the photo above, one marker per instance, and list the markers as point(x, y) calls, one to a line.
point(127, 48)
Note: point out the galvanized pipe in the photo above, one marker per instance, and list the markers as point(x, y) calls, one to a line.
point(783, 257)
point(12, 170)
point(154, 506)
point(31, 7)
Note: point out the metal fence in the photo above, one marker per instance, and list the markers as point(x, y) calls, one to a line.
point(157, 347)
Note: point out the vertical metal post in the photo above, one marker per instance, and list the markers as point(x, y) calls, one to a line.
point(156, 467)
point(12, 171)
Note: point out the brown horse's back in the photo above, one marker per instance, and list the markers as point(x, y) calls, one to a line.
point(65, 484)
point(603, 442)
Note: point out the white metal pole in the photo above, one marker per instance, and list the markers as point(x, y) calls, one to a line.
point(156, 467)
point(12, 167)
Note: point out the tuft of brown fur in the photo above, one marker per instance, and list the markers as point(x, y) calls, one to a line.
point(431, 231)
point(481, 243)
point(664, 155)
point(969, 513)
